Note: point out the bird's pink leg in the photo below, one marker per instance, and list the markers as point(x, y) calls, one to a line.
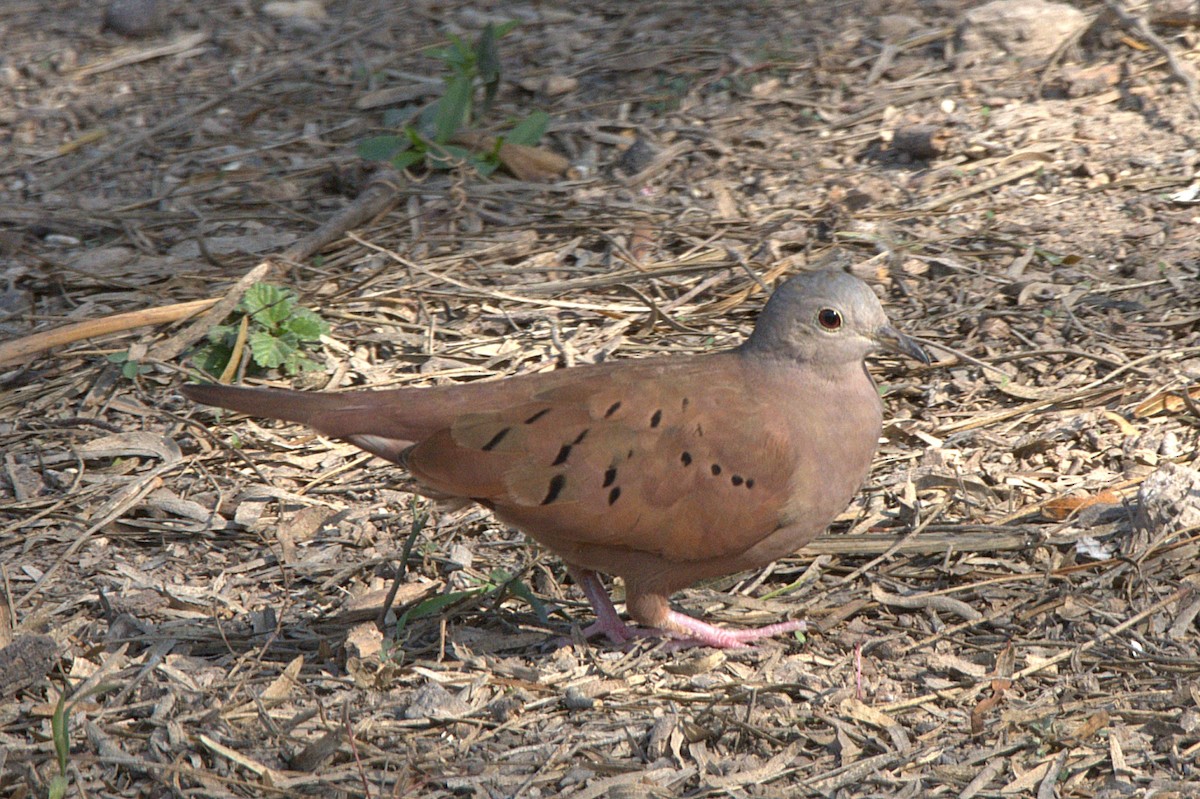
point(686, 630)
point(699, 633)
point(608, 621)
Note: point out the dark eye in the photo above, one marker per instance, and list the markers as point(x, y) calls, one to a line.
point(829, 319)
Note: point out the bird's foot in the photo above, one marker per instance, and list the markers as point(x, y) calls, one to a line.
point(617, 631)
point(683, 630)
point(689, 631)
point(608, 621)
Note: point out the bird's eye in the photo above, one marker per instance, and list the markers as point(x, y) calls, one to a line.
point(829, 319)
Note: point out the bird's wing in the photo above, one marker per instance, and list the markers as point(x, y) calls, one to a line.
point(678, 459)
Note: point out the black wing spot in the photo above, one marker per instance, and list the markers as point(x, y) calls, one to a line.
point(557, 482)
point(614, 494)
point(736, 480)
point(716, 469)
point(656, 419)
point(629, 455)
point(496, 439)
point(749, 482)
point(579, 438)
point(686, 458)
point(562, 456)
point(685, 403)
point(537, 416)
point(616, 406)
point(610, 476)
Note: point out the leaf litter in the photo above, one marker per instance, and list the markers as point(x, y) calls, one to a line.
point(1008, 607)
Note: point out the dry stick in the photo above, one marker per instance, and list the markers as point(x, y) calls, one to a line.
point(176, 47)
point(12, 352)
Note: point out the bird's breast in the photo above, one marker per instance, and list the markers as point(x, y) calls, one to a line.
point(835, 430)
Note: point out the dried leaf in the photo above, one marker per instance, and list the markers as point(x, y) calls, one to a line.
point(1063, 507)
point(525, 163)
point(1169, 401)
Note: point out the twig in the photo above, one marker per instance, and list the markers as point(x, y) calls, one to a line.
point(12, 352)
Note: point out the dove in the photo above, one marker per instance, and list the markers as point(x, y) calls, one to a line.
point(661, 471)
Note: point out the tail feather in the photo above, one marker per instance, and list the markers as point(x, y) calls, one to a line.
point(273, 403)
point(372, 420)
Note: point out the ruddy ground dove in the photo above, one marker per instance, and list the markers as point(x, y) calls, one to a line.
point(663, 471)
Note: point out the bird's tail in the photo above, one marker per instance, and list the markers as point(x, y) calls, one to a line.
point(272, 403)
point(373, 420)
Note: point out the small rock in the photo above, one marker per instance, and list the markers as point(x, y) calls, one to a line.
point(1168, 500)
point(574, 699)
point(559, 84)
point(505, 707)
point(295, 9)
point(639, 155)
point(896, 27)
point(135, 17)
point(460, 556)
point(432, 701)
point(1016, 28)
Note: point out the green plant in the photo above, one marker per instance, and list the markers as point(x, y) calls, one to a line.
point(278, 332)
point(60, 724)
point(498, 584)
point(60, 732)
point(129, 367)
point(472, 68)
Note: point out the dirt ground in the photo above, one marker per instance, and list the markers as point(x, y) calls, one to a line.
point(1008, 608)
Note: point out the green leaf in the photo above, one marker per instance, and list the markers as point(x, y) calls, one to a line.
point(434, 605)
point(381, 148)
point(484, 165)
point(459, 56)
point(529, 131)
point(444, 54)
point(212, 358)
point(487, 59)
point(60, 723)
point(268, 305)
point(453, 109)
point(505, 28)
point(291, 365)
point(223, 334)
point(117, 357)
point(287, 339)
point(267, 350)
point(397, 117)
point(407, 158)
point(414, 135)
point(306, 325)
point(518, 588)
point(309, 365)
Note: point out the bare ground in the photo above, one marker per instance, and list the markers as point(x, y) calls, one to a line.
point(999, 613)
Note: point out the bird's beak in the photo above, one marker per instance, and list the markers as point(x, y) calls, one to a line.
point(893, 340)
